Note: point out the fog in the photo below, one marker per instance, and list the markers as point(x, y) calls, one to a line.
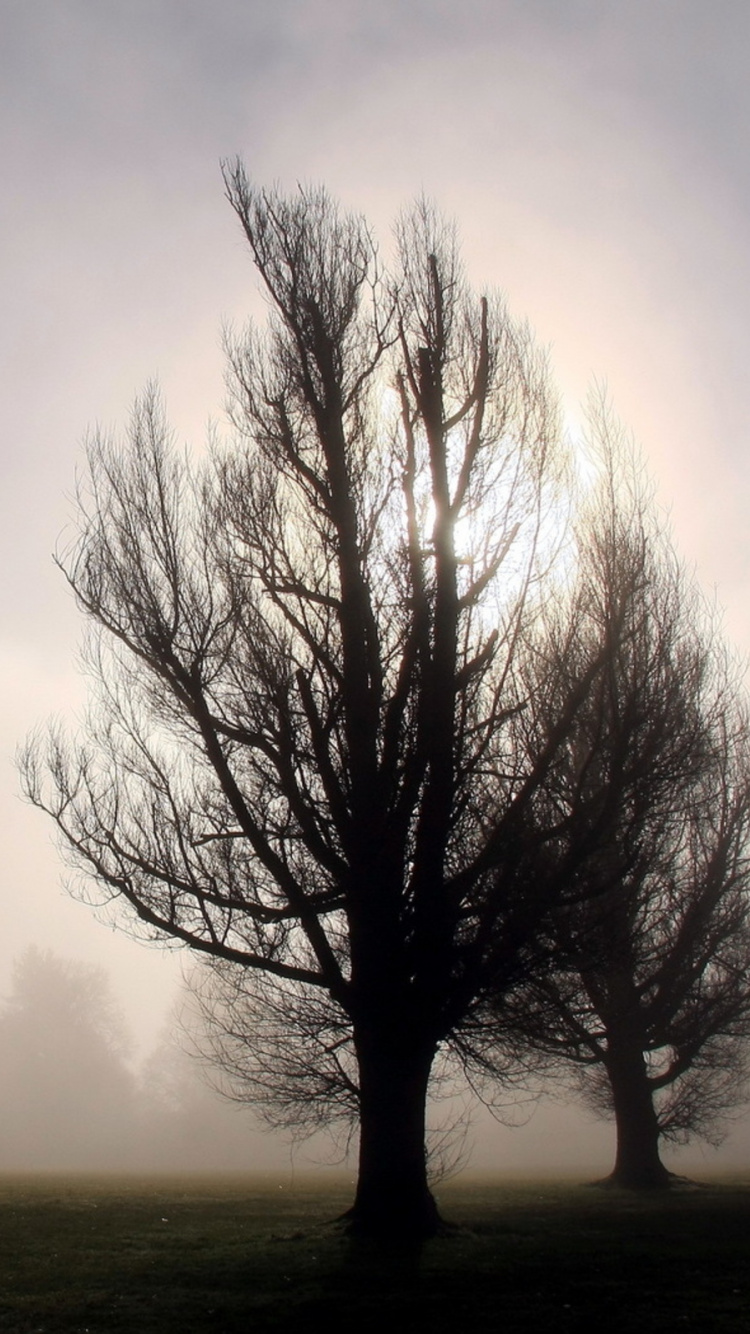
point(75, 1097)
point(594, 155)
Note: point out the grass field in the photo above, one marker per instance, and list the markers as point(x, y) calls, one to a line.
point(94, 1255)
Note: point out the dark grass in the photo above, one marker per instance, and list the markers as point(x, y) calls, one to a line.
point(94, 1255)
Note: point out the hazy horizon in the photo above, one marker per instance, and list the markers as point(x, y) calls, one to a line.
point(78, 1095)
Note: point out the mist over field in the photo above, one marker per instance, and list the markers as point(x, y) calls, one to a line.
point(76, 1096)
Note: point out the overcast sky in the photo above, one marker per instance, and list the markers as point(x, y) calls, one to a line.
point(595, 153)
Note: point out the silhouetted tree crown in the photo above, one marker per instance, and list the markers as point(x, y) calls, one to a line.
point(650, 800)
point(300, 758)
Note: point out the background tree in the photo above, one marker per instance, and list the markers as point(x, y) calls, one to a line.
point(295, 760)
point(183, 1125)
point(650, 796)
point(71, 1097)
point(67, 1096)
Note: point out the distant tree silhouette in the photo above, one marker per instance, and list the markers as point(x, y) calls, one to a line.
point(297, 758)
point(650, 800)
point(183, 1125)
point(67, 1096)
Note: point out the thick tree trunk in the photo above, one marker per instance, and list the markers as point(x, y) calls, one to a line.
point(637, 1164)
point(393, 1200)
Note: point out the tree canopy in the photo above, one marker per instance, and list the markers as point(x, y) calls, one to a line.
point(310, 651)
point(650, 996)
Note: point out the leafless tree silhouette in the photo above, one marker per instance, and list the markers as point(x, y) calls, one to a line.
point(650, 803)
point(298, 757)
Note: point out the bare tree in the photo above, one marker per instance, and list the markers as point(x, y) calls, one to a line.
point(282, 1049)
point(295, 760)
point(649, 800)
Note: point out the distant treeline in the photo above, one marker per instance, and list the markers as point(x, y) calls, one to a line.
point(71, 1097)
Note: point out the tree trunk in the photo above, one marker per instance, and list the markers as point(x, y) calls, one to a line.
point(637, 1164)
point(393, 1201)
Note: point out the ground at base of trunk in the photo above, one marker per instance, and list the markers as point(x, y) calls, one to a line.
point(671, 1181)
point(393, 1232)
